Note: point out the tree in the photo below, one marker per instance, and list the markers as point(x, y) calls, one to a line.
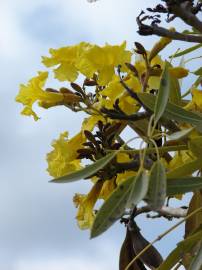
point(115, 92)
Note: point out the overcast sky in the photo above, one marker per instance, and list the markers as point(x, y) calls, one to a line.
point(38, 230)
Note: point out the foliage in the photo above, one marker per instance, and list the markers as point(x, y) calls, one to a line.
point(119, 88)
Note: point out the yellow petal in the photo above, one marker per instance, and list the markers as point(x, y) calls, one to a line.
point(29, 112)
point(34, 91)
point(62, 159)
point(65, 59)
point(107, 189)
point(90, 122)
point(85, 203)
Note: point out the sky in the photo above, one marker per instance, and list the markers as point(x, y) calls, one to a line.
point(38, 228)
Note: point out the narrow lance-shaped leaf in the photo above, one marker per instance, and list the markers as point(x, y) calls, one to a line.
point(196, 263)
point(173, 111)
point(177, 254)
point(139, 188)
point(191, 49)
point(183, 185)
point(157, 186)
point(163, 93)
point(180, 134)
point(198, 71)
point(87, 171)
point(114, 207)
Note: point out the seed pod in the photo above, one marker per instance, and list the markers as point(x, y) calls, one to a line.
point(178, 72)
point(77, 87)
point(51, 90)
point(140, 49)
point(91, 138)
point(71, 98)
point(127, 254)
point(151, 257)
point(65, 90)
point(132, 68)
point(88, 82)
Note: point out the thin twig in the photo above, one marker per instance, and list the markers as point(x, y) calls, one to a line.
point(164, 211)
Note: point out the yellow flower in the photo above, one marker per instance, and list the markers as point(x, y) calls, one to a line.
point(63, 159)
point(123, 157)
point(107, 189)
point(154, 81)
point(197, 99)
point(180, 158)
point(85, 204)
point(196, 103)
point(90, 122)
point(115, 91)
point(103, 60)
point(65, 59)
point(33, 92)
point(178, 72)
point(160, 45)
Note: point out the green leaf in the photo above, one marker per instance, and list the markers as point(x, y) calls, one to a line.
point(196, 263)
point(179, 135)
point(183, 185)
point(177, 254)
point(198, 71)
point(198, 81)
point(173, 111)
point(157, 186)
point(87, 171)
point(113, 208)
point(191, 49)
point(163, 93)
point(139, 189)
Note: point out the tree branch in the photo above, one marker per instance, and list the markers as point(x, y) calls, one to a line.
point(165, 211)
point(163, 32)
point(184, 11)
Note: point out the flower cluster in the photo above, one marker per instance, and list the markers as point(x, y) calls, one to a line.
point(105, 82)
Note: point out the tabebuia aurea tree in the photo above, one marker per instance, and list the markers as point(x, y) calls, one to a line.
point(138, 89)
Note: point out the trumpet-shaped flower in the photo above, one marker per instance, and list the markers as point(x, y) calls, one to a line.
point(85, 204)
point(34, 92)
point(63, 158)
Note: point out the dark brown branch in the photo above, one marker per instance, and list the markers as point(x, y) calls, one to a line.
point(146, 30)
point(113, 114)
point(184, 11)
